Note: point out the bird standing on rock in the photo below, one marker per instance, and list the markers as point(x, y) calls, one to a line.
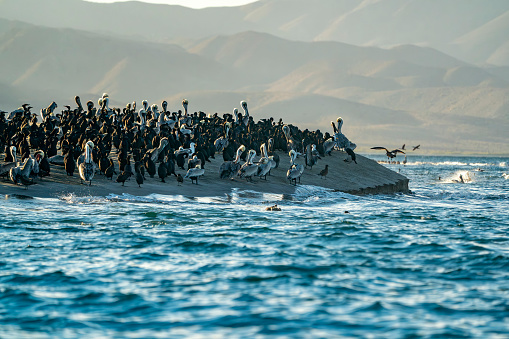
point(324, 172)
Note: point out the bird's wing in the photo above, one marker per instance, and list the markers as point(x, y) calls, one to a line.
point(379, 147)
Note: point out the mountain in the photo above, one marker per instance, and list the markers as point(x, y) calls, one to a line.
point(67, 62)
point(456, 27)
point(387, 96)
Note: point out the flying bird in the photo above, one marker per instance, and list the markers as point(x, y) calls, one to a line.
point(390, 154)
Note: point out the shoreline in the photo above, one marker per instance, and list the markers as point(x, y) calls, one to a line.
point(366, 177)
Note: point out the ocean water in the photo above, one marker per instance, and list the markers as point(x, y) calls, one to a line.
point(431, 264)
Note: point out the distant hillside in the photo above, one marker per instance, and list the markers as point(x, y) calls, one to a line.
point(472, 31)
point(406, 94)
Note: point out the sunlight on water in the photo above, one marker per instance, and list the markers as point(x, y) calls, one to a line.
point(429, 264)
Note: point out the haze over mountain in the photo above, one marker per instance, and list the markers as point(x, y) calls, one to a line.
point(306, 64)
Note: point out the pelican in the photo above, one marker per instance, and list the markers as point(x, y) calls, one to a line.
point(342, 141)
point(6, 167)
point(270, 160)
point(38, 155)
point(194, 173)
point(222, 142)
point(248, 169)
point(390, 154)
point(142, 113)
point(310, 156)
point(236, 116)
point(328, 145)
point(86, 166)
point(229, 168)
point(291, 144)
point(154, 153)
point(245, 119)
point(264, 167)
point(295, 171)
point(22, 173)
point(271, 153)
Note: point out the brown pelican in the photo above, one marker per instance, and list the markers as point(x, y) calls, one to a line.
point(291, 144)
point(154, 153)
point(229, 168)
point(248, 169)
point(194, 173)
point(311, 155)
point(6, 167)
point(21, 174)
point(328, 145)
point(342, 141)
point(86, 166)
point(193, 162)
point(245, 118)
point(222, 141)
point(264, 166)
point(295, 171)
point(270, 160)
point(271, 153)
point(38, 156)
point(390, 154)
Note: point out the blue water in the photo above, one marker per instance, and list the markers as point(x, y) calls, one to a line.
point(432, 264)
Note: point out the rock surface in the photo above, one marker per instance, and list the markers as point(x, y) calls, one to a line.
point(365, 177)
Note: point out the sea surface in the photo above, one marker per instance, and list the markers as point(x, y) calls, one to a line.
point(431, 264)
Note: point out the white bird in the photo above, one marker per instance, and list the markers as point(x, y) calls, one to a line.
point(154, 152)
point(291, 144)
point(222, 142)
point(295, 171)
point(342, 141)
point(245, 118)
point(248, 169)
point(328, 145)
point(264, 167)
point(38, 156)
point(86, 166)
point(22, 173)
point(194, 173)
point(229, 168)
point(6, 167)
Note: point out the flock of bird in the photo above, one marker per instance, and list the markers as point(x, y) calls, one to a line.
point(127, 142)
point(393, 154)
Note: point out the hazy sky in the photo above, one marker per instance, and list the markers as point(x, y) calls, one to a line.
point(191, 3)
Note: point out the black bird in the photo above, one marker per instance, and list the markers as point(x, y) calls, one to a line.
point(138, 175)
point(324, 172)
point(170, 166)
point(123, 177)
point(70, 165)
point(416, 147)
point(351, 153)
point(162, 171)
point(149, 165)
point(180, 179)
point(110, 170)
